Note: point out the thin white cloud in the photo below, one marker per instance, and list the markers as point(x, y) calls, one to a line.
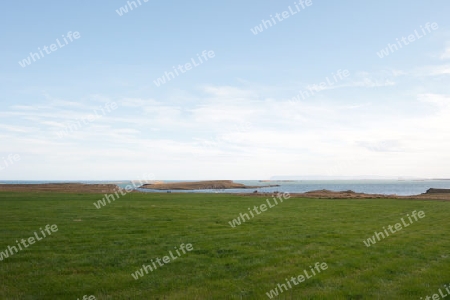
point(230, 92)
point(21, 129)
point(436, 70)
point(446, 54)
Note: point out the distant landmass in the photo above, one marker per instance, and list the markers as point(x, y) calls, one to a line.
point(327, 177)
point(201, 185)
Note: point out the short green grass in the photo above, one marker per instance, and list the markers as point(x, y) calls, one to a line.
point(95, 251)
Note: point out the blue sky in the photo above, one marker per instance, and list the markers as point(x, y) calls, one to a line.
point(238, 115)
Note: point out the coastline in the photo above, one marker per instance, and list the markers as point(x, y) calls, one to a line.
point(179, 188)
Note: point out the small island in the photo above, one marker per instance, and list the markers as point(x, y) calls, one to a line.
point(201, 185)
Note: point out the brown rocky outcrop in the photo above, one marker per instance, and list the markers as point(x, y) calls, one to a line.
point(438, 191)
point(60, 187)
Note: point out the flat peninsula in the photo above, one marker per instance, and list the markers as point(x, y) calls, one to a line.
point(201, 185)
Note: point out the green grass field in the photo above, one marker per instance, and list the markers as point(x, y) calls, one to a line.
point(95, 251)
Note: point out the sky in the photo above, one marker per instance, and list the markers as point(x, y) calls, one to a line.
point(112, 90)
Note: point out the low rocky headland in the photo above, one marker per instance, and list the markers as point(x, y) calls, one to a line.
point(430, 194)
point(201, 185)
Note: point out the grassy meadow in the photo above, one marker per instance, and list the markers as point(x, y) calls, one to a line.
point(95, 251)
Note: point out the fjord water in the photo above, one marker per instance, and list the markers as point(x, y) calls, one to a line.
point(386, 187)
